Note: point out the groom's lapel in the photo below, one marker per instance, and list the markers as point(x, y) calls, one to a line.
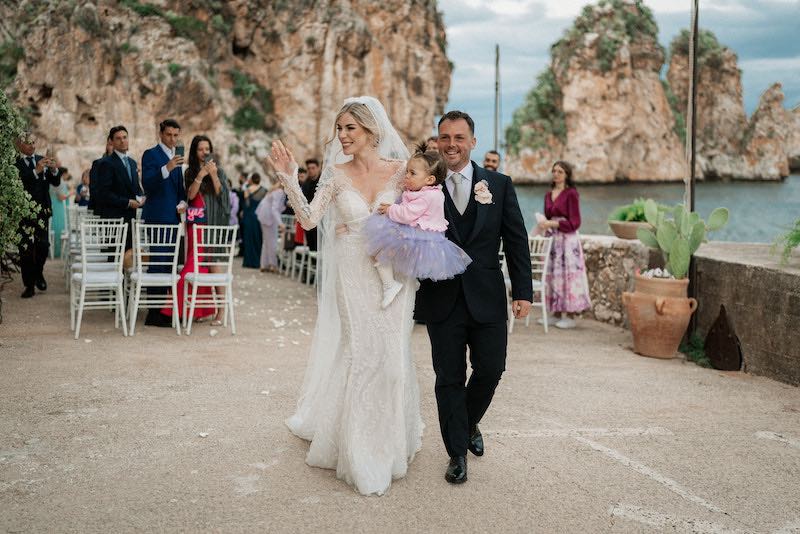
point(478, 174)
point(450, 213)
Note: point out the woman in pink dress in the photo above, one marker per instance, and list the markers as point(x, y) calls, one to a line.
point(567, 288)
point(195, 215)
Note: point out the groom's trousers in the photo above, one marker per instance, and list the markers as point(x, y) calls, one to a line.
point(462, 404)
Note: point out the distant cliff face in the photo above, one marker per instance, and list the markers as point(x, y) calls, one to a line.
point(241, 71)
point(602, 106)
point(728, 145)
point(606, 111)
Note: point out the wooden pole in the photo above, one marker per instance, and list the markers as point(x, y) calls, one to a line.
point(692, 145)
point(496, 96)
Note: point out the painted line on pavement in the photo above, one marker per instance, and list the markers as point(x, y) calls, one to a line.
point(650, 473)
point(575, 432)
point(774, 436)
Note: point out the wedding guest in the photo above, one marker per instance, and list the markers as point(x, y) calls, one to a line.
point(116, 187)
point(240, 212)
point(162, 178)
point(93, 170)
point(567, 285)
point(251, 235)
point(491, 160)
point(82, 192)
point(309, 188)
point(201, 181)
point(269, 216)
point(58, 220)
point(37, 174)
point(233, 218)
point(432, 143)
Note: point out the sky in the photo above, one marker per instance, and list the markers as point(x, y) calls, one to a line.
point(763, 33)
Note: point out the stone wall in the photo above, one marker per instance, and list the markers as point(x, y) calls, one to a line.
point(610, 265)
point(762, 300)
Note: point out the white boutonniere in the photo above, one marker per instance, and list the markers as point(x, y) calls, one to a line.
point(482, 193)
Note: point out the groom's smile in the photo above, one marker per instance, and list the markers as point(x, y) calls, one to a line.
point(455, 142)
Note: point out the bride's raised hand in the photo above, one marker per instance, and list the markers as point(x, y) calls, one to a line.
point(281, 158)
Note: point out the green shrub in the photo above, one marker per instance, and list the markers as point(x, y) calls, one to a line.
point(695, 350)
point(256, 102)
point(539, 116)
point(788, 242)
point(174, 69)
point(679, 125)
point(10, 55)
point(128, 48)
point(15, 203)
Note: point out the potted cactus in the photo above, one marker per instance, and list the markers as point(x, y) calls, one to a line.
point(658, 310)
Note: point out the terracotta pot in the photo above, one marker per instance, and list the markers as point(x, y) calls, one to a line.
point(657, 323)
point(665, 287)
point(627, 230)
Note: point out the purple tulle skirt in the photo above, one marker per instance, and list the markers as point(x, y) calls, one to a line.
point(413, 252)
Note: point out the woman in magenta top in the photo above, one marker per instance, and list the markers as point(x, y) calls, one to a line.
point(566, 285)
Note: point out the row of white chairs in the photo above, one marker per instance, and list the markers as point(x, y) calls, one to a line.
point(98, 279)
point(298, 260)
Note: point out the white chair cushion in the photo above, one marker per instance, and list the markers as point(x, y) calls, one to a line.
point(209, 278)
point(154, 278)
point(99, 277)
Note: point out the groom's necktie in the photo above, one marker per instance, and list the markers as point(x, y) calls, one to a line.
point(460, 199)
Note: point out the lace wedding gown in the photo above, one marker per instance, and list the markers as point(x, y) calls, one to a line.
point(359, 405)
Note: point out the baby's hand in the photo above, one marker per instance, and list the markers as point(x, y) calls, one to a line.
point(383, 208)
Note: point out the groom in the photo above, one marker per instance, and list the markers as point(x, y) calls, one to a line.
point(470, 310)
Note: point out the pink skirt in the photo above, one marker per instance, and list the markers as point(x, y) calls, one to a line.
point(567, 285)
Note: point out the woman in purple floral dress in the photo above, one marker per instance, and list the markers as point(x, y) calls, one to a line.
point(567, 289)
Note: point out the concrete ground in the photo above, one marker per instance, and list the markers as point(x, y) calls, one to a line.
point(163, 433)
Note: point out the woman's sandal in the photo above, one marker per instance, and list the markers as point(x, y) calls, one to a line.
point(216, 322)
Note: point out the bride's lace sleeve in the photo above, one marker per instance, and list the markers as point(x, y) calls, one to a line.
point(309, 214)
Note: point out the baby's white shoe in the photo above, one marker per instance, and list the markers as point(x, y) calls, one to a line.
point(390, 291)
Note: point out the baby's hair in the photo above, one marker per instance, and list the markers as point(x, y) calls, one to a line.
point(433, 160)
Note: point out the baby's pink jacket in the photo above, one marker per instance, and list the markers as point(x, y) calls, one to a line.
point(423, 208)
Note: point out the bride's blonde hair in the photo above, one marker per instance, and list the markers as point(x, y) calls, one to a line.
point(362, 115)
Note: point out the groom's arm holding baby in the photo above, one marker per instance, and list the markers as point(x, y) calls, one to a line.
point(517, 253)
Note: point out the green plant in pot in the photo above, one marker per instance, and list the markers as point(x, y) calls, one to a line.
point(625, 220)
point(658, 310)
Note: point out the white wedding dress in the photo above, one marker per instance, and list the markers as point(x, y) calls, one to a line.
point(359, 405)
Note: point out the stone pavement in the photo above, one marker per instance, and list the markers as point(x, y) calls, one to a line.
point(164, 433)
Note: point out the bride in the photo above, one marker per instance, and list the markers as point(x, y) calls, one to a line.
point(359, 403)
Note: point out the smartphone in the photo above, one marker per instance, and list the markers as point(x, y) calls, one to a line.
point(179, 150)
point(209, 158)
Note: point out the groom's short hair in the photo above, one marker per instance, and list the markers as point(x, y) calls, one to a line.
point(456, 115)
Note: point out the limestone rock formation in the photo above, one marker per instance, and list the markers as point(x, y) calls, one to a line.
point(602, 105)
point(766, 138)
point(720, 113)
point(241, 71)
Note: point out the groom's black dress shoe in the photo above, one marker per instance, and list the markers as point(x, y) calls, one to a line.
point(41, 284)
point(475, 444)
point(28, 293)
point(457, 470)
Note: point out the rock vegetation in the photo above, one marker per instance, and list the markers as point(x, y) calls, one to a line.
point(241, 71)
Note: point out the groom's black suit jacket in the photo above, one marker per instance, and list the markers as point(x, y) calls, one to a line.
point(479, 232)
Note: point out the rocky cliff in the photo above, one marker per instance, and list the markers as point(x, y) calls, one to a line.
point(601, 105)
point(241, 71)
point(729, 146)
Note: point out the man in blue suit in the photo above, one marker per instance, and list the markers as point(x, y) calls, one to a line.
point(162, 176)
point(115, 186)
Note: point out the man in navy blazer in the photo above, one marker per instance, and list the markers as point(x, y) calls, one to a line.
point(162, 177)
point(115, 186)
point(469, 311)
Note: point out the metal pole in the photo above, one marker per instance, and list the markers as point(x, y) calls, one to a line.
point(692, 145)
point(496, 96)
